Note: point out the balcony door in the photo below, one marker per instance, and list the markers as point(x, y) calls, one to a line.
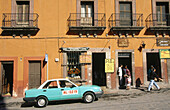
point(87, 13)
point(125, 14)
point(23, 12)
point(162, 10)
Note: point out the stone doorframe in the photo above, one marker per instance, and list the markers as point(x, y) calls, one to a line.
point(107, 52)
point(117, 65)
point(87, 73)
point(163, 66)
point(16, 83)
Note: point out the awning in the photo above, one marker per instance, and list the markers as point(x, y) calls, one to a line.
point(74, 49)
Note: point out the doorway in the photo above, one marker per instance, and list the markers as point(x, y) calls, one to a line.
point(124, 58)
point(34, 74)
point(98, 69)
point(153, 59)
point(6, 79)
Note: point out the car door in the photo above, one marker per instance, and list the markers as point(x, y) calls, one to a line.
point(69, 90)
point(51, 91)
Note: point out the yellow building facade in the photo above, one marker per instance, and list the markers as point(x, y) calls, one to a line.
point(78, 37)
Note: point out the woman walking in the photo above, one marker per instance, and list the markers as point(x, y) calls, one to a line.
point(127, 78)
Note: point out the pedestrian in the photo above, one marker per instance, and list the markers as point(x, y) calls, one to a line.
point(120, 74)
point(153, 78)
point(149, 71)
point(127, 78)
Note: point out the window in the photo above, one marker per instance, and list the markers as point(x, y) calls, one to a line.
point(23, 11)
point(87, 13)
point(162, 11)
point(73, 64)
point(66, 84)
point(125, 13)
point(51, 84)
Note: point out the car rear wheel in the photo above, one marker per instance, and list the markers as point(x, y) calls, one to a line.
point(88, 97)
point(41, 101)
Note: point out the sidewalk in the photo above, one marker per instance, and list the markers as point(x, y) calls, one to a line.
point(132, 91)
point(108, 93)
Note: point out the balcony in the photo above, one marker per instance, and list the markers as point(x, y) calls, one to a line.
point(19, 23)
point(86, 23)
point(125, 23)
point(158, 23)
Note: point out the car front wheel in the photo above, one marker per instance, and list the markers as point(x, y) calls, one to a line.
point(89, 97)
point(41, 101)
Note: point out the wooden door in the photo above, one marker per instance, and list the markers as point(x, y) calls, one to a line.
point(34, 74)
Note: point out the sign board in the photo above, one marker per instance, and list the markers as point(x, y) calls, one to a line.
point(85, 58)
point(164, 53)
point(163, 42)
point(84, 49)
point(123, 42)
point(46, 57)
point(109, 65)
point(69, 92)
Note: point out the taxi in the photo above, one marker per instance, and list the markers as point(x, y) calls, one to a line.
point(62, 89)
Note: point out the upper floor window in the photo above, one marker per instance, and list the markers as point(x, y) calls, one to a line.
point(162, 10)
point(87, 12)
point(86, 9)
point(23, 11)
point(125, 13)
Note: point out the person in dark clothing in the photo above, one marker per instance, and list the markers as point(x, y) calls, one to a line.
point(153, 75)
point(149, 71)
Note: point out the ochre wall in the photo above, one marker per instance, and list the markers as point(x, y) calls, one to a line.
point(52, 22)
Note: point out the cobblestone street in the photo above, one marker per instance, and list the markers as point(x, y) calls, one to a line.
point(142, 100)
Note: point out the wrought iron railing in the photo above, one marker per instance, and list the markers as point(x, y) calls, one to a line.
point(125, 19)
point(87, 19)
point(20, 20)
point(160, 20)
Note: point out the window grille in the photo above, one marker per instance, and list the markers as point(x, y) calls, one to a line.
point(73, 64)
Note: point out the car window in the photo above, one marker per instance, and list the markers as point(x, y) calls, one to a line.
point(51, 84)
point(66, 84)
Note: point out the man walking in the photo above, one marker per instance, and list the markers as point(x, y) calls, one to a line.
point(153, 76)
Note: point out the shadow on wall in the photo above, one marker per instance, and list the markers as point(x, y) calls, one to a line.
point(138, 82)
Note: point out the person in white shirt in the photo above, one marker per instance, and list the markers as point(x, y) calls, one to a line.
point(120, 74)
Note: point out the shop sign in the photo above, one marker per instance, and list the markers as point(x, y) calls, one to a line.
point(163, 42)
point(164, 53)
point(123, 42)
point(109, 65)
point(85, 59)
point(84, 49)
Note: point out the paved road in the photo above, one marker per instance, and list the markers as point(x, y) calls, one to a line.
point(159, 100)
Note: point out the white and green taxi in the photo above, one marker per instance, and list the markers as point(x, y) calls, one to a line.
point(62, 89)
